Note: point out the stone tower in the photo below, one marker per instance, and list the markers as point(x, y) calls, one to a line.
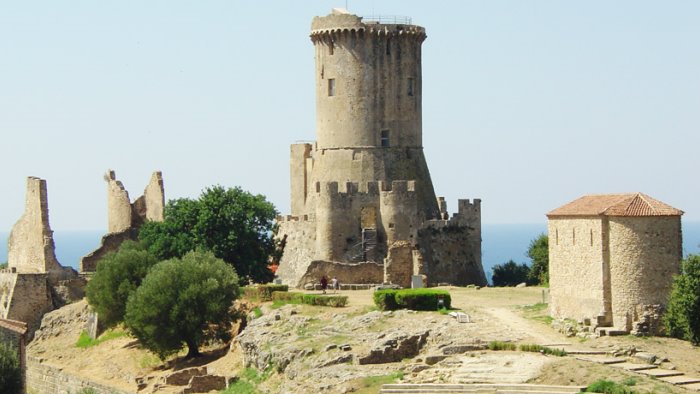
point(364, 184)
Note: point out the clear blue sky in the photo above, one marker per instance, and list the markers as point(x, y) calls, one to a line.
point(526, 104)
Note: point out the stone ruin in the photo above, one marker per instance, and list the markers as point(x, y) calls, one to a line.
point(34, 281)
point(125, 217)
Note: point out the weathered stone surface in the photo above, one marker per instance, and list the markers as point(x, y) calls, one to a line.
point(366, 272)
point(109, 243)
point(395, 347)
point(31, 246)
point(617, 269)
point(459, 349)
point(398, 264)
point(183, 377)
point(365, 184)
point(125, 218)
point(341, 359)
point(206, 383)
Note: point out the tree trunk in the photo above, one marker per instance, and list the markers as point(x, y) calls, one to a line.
point(192, 349)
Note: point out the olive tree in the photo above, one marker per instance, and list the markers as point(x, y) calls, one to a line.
point(183, 301)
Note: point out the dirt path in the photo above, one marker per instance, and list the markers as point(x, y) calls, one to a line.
point(528, 330)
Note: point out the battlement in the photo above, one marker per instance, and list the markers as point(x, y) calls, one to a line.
point(466, 207)
point(371, 188)
point(341, 22)
point(293, 218)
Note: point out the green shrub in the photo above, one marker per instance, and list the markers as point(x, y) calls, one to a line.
point(263, 292)
point(117, 277)
point(325, 300)
point(291, 297)
point(608, 387)
point(542, 349)
point(414, 299)
point(510, 274)
point(385, 300)
point(423, 299)
point(10, 372)
point(682, 318)
point(498, 345)
point(281, 298)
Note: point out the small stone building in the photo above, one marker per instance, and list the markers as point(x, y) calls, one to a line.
point(612, 258)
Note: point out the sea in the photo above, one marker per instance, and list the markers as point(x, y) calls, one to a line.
point(500, 243)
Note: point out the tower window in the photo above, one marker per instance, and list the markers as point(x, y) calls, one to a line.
point(330, 48)
point(384, 139)
point(388, 47)
point(331, 87)
point(411, 86)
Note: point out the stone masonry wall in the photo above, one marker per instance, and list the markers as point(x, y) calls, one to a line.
point(125, 218)
point(576, 267)
point(118, 204)
point(31, 245)
point(25, 297)
point(398, 264)
point(645, 253)
point(346, 273)
point(299, 235)
point(47, 379)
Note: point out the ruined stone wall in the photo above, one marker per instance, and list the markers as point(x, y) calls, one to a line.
point(398, 264)
point(31, 245)
point(151, 205)
point(451, 249)
point(109, 243)
point(118, 205)
point(645, 253)
point(300, 158)
point(346, 273)
point(48, 379)
point(25, 297)
point(577, 259)
point(299, 235)
point(126, 218)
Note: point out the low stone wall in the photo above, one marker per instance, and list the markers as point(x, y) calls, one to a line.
point(42, 378)
point(360, 273)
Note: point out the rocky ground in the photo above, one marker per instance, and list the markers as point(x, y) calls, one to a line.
point(305, 349)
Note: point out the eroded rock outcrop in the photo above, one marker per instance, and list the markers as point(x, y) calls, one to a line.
point(396, 346)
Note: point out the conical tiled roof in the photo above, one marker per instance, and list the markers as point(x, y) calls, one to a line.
point(627, 204)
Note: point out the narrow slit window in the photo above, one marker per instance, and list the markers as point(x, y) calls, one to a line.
point(411, 86)
point(384, 141)
point(331, 47)
point(591, 237)
point(556, 236)
point(331, 87)
point(573, 236)
point(388, 47)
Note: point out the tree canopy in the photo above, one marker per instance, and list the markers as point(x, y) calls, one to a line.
point(682, 318)
point(538, 252)
point(10, 371)
point(233, 224)
point(509, 274)
point(118, 274)
point(183, 300)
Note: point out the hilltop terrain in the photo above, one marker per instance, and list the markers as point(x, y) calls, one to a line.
point(300, 348)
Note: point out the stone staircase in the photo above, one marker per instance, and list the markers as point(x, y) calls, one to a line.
point(670, 376)
point(505, 388)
